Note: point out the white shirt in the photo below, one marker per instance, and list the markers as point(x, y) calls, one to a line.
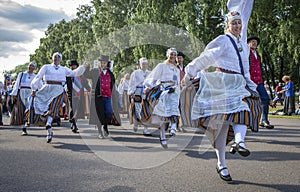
point(51, 72)
point(163, 72)
point(24, 82)
point(137, 79)
point(221, 53)
point(254, 53)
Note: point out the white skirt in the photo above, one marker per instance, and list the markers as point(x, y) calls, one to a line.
point(45, 96)
point(220, 93)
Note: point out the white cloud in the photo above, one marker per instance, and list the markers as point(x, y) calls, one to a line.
point(23, 23)
point(6, 48)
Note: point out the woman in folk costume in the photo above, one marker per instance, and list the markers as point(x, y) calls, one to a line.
point(48, 99)
point(8, 87)
point(222, 103)
point(167, 76)
point(136, 93)
point(123, 89)
point(75, 90)
point(94, 75)
point(1, 101)
point(20, 93)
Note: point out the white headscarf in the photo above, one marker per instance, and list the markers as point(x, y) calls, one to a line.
point(171, 50)
point(33, 63)
point(229, 17)
point(143, 60)
point(57, 53)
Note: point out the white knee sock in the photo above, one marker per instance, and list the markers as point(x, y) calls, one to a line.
point(49, 131)
point(220, 148)
point(49, 120)
point(162, 132)
point(135, 123)
point(145, 129)
point(173, 126)
point(240, 133)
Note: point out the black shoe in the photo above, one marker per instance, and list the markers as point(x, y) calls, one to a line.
point(226, 178)
point(269, 126)
point(235, 147)
point(266, 125)
point(24, 132)
point(147, 134)
point(74, 128)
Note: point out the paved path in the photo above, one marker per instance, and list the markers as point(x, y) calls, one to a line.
point(128, 161)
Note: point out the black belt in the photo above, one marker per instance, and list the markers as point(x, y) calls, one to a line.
point(25, 87)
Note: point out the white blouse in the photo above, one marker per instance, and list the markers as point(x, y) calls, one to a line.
point(221, 53)
point(51, 72)
point(24, 82)
point(163, 72)
point(137, 79)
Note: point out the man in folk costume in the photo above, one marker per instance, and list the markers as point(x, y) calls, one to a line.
point(167, 75)
point(257, 78)
point(21, 93)
point(180, 65)
point(75, 90)
point(48, 99)
point(95, 111)
point(136, 93)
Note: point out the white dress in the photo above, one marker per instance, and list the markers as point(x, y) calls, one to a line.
point(48, 92)
point(24, 86)
point(166, 75)
point(136, 87)
point(221, 93)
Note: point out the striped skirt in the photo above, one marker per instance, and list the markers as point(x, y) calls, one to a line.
point(18, 116)
point(249, 118)
point(135, 112)
point(54, 110)
point(146, 115)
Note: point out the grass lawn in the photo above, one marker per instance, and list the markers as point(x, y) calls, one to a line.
point(282, 116)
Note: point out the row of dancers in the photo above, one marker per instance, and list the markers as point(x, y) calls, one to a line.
point(224, 102)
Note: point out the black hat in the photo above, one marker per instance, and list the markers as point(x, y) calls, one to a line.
point(73, 62)
point(179, 53)
point(103, 58)
point(253, 37)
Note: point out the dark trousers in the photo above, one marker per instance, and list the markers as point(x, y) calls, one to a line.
point(108, 110)
point(265, 101)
